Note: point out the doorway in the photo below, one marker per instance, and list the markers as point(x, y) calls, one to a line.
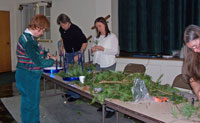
point(5, 44)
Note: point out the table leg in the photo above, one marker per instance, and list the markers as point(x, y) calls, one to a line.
point(44, 81)
point(117, 117)
point(55, 88)
point(103, 113)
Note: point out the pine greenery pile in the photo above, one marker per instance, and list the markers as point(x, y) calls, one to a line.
point(117, 85)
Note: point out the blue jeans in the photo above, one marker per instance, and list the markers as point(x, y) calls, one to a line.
point(70, 57)
point(28, 84)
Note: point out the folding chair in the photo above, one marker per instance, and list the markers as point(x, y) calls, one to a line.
point(134, 68)
point(180, 82)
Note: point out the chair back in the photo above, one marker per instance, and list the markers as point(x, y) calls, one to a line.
point(180, 82)
point(134, 68)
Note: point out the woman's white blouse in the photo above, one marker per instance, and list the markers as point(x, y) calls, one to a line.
point(110, 44)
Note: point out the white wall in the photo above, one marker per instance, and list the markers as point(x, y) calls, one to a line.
point(114, 18)
point(82, 13)
point(155, 67)
point(103, 8)
point(10, 5)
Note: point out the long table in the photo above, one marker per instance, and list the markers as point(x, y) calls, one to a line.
point(146, 111)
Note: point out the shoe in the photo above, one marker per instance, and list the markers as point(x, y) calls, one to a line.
point(109, 114)
point(67, 95)
point(99, 109)
point(71, 99)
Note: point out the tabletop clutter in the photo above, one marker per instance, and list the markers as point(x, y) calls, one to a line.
point(126, 87)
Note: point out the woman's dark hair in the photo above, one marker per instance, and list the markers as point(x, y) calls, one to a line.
point(63, 18)
point(191, 64)
point(103, 21)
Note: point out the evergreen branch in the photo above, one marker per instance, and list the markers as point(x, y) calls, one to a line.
point(110, 82)
point(168, 93)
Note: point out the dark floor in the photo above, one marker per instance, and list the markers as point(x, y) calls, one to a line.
point(7, 77)
point(5, 91)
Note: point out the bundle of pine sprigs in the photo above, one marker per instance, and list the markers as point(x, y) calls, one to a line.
point(118, 85)
point(76, 70)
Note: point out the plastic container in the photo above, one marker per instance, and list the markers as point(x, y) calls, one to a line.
point(71, 79)
point(52, 69)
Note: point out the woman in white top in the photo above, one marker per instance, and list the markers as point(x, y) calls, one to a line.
point(106, 47)
point(104, 51)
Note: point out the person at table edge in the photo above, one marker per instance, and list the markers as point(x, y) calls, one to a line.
point(191, 64)
point(72, 40)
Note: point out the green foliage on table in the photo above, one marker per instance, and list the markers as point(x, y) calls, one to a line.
point(75, 70)
point(119, 90)
point(158, 90)
point(119, 86)
point(122, 91)
point(114, 91)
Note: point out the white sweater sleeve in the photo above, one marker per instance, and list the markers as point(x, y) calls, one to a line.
point(112, 46)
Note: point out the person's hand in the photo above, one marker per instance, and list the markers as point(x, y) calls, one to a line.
point(82, 50)
point(61, 51)
point(76, 58)
point(196, 87)
point(54, 58)
point(93, 49)
point(48, 55)
point(198, 95)
point(100, 48)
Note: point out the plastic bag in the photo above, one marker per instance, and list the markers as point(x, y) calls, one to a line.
point(139, 90)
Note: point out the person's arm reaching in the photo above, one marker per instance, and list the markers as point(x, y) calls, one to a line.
point(33, 52)
point(112, 48)
point(83, 47)
point(196, 87)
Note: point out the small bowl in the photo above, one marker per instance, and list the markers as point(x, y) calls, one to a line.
point(82, 79)
point(52, 69)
